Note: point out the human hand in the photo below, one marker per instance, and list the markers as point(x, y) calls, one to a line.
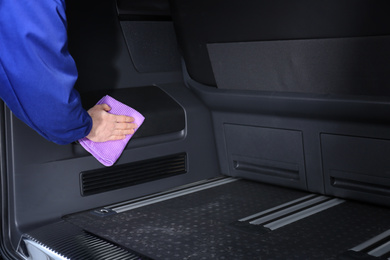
point(109, 127)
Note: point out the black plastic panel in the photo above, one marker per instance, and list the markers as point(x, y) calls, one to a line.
point(143, 9)
point(343, 66)
point(162, 113)
point(266, 154)
point(97, 45)
point(202, 21)
point(152, 45)
point(357, 167)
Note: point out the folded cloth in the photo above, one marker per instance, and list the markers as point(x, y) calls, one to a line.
point(108, 152)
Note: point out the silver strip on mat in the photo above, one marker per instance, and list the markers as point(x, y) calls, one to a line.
point(112, 206)
point(129, 205)
point(371, 241)
point(381, 250)
point(276, 208)
point(303, 214)
point(288, 210)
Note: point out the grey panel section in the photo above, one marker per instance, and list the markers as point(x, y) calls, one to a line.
point(266, 154)
point(152, 46)
point(311, 114)
point(357, 167)
point(347, 66)
point(43, 178)
point(45, 182)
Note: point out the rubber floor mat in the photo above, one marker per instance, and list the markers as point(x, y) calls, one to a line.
point(206, 225)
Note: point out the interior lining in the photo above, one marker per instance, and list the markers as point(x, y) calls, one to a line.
point(356, 66)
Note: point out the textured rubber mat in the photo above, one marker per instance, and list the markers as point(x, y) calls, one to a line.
point(203, 225)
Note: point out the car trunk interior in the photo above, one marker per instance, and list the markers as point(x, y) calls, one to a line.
point(266, 136)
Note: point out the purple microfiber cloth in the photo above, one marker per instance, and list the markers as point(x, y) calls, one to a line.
point(108, 152)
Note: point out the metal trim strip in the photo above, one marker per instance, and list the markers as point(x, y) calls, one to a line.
point(288, 210)
point(174, 194)
point(303, 214)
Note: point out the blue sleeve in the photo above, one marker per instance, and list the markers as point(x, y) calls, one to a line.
point(37, 73)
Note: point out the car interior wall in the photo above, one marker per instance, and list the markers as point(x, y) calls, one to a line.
point(323, 143)
point(251, 113)
point(199, 23)
point(328, 112)
point(44, 178)
point(364, 169)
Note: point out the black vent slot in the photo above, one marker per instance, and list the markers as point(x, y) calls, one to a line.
point(121, 176)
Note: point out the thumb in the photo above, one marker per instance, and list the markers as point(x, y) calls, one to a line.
point(106, 107)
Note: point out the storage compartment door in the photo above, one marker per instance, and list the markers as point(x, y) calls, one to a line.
point(357, 167)
point(266, 154)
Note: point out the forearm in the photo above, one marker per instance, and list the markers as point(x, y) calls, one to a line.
point(37, 73)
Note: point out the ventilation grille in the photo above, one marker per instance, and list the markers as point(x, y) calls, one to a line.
point(117, 177)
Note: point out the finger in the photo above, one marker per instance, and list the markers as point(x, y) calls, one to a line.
point(117, 137)
point(123, 132)
point(125, 126)
point(124, 119)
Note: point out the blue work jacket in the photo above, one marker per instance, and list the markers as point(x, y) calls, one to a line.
point(37, 73)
